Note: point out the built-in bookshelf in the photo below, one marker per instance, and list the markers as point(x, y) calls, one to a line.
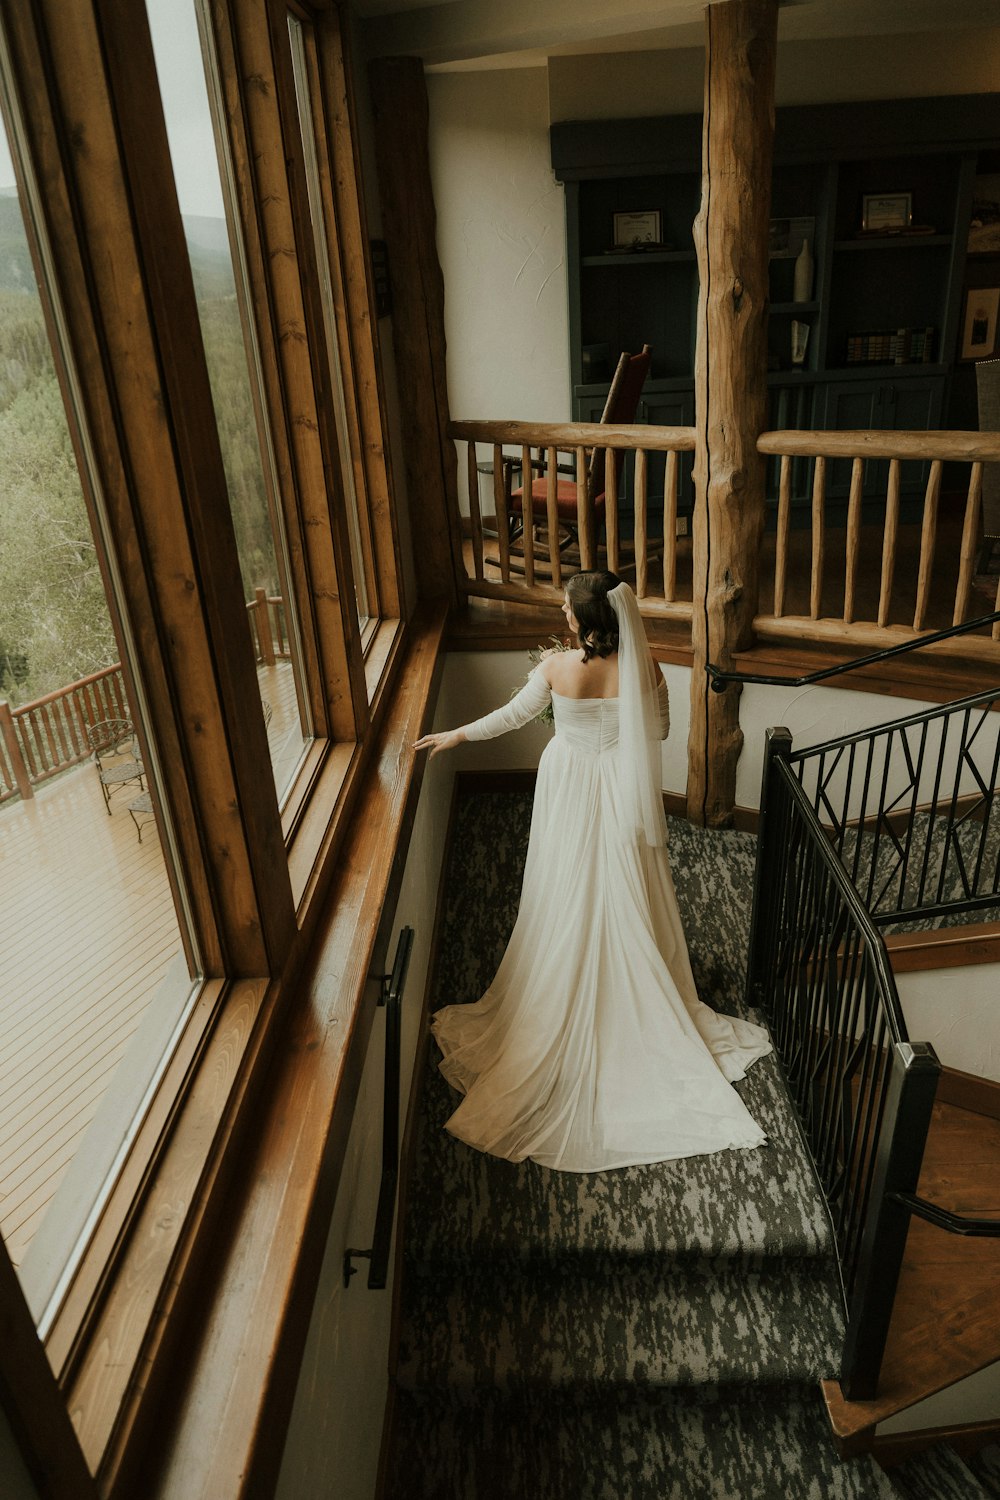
point(882, 192)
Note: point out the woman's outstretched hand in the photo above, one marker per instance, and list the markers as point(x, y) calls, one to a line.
point(447, 740)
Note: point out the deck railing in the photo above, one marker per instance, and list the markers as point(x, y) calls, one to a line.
point(49, 734)
point(268, 628)
point(528, 558)
point(524, 563)
point(46, 736)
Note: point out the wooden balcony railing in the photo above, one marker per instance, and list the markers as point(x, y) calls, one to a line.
point(528, 558)
point(268, 627)
point(525, 563)
point(46, 736)
point(968, 449)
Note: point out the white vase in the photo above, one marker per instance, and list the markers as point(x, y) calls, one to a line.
point(803, 283)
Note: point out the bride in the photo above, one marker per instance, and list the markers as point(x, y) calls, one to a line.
point(590, 1049)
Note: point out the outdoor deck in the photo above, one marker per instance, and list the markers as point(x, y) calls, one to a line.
point(90, 931)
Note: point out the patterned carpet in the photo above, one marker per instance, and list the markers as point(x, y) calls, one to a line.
point(655, 1333)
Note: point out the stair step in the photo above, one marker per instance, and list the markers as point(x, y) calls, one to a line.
point(463, 1205)
point(644, 1446)
point(937, 1474)
point(606, 1327)
point(986, 1466)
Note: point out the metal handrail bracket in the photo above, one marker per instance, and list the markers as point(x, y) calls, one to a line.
point(720, 680)
point(391, 996)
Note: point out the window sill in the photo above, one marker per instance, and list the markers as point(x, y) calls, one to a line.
point(188, 1373)
point(379, 656)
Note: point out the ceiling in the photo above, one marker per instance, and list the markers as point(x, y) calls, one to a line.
point(461, 34)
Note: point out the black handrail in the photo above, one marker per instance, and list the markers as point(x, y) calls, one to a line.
point(910, 806)
point(391, 998)
point(720, 680)
point(943, 1218)
point(818, 965)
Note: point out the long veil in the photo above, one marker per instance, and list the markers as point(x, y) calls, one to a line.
point(639, 758)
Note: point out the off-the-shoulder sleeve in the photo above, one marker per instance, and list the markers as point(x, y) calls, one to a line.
point(522, 708)
point(663, 707)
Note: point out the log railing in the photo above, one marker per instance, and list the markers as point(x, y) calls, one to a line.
point(268, 627)
point(509, 561)
point(835, 617)
point(46, 736)
point(49, 734)
point(528, 558)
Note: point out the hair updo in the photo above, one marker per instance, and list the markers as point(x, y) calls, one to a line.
point(596, 620)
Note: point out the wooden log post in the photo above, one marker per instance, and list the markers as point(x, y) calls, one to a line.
point(18, 769)
point(731, 237)
point(399, 99)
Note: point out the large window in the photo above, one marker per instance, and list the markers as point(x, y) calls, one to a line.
point(197, 577)
point(204, 180)
point(303, 50)
point(97, 974)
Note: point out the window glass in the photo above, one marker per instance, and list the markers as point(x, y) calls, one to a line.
point(303, 61)
point(203, 176)
point(99, 969)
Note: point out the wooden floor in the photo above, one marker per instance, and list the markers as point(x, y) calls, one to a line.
point(944, 1324)
point(89, 931)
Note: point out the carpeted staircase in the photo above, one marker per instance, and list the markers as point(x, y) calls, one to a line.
point(655, 1333)
point(940, 1474)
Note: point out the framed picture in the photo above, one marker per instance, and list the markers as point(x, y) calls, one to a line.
point(635, 229)
point(979, 326)
point(883, 212)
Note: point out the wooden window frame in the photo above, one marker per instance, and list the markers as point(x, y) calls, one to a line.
point(112, 222)
point(336, 136)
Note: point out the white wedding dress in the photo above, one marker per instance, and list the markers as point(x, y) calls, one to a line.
point(590, 1049)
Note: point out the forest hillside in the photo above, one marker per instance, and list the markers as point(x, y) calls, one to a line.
point(54, 621)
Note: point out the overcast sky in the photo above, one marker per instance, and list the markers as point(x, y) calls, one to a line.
point(185, 103)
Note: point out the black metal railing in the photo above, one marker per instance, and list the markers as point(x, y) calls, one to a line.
point(720, 680)
point(912, 810)
point(819, 969)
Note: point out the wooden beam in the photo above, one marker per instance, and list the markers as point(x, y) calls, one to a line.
point(399, 100)
point(33, 1403)
point(731, 235)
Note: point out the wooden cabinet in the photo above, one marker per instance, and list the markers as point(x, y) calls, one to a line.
point(828, 161)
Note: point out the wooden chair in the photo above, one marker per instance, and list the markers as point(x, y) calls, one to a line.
point(619, 409)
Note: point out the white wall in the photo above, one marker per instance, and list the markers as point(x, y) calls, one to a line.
point(333, 1441)
point(813, 715)
point(975, 1399)
point(956, 1011)
point(501, 234)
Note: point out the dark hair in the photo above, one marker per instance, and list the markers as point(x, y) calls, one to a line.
point(597, 621)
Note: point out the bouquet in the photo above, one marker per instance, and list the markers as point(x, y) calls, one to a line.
point(536, 655)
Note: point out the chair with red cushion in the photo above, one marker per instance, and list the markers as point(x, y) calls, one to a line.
point(619, 409)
